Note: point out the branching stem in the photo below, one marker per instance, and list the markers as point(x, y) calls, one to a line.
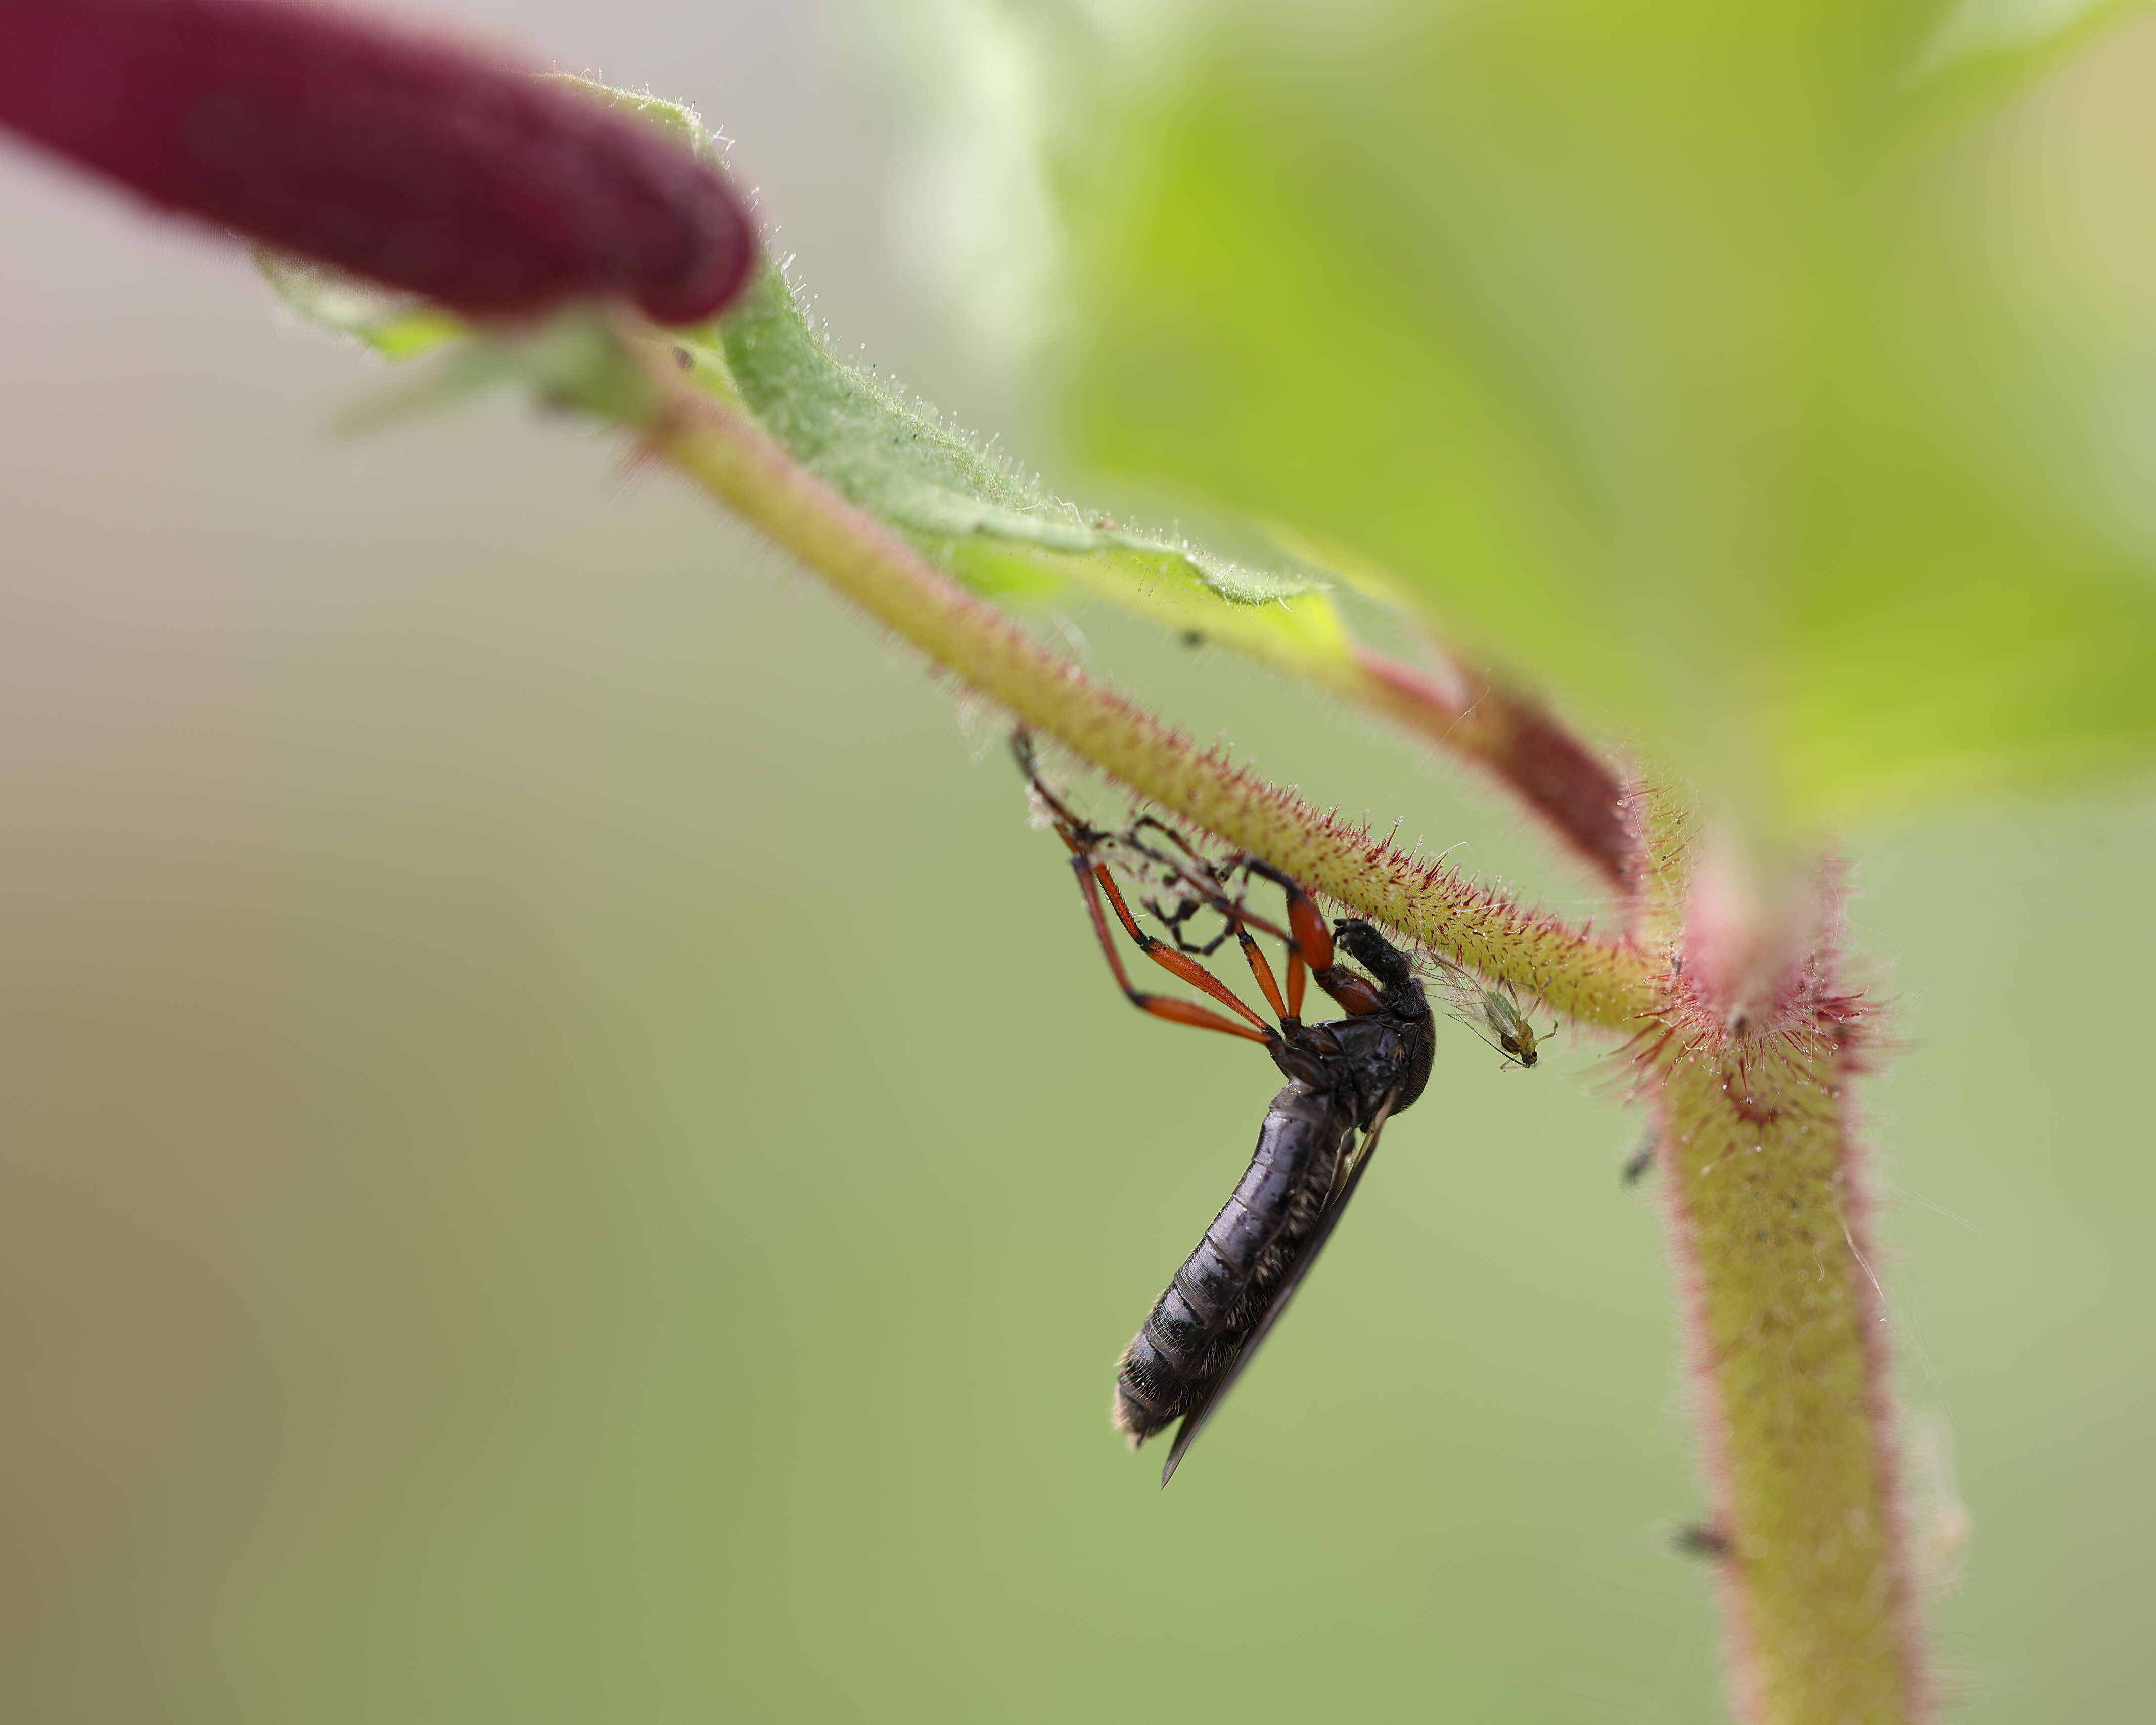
point(1577, 794)
point(726, 454)
point(1765, 1191)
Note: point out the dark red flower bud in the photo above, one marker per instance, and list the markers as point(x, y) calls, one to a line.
point(414, 163)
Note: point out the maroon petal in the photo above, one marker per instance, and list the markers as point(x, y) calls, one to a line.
point(395, 157)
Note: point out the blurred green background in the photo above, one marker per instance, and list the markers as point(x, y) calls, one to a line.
point(569, 1155)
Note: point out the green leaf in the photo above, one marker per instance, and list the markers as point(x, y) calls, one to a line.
point(678, 119)
point(397, 327)
point(999, 533)
point(1985, 52)
point(576, 359)
point(1627, 344)
point(996, 531)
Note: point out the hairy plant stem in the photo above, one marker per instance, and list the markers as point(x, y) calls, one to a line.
point(1763, 1186)
point(1577, 792)
point(727, 455)
point(1769, 1214)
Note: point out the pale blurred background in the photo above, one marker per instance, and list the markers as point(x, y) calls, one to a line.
point(569, 1156)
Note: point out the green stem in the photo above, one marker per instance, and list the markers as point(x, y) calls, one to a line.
point(1769, 1211)
point(1767, 1204)
point(728, 455)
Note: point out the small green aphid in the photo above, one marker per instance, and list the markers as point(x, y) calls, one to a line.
point(1494, 1014)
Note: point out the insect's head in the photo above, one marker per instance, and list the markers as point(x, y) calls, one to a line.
point(1392, 968)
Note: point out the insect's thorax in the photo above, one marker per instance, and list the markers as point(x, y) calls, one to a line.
point(1362, 1061)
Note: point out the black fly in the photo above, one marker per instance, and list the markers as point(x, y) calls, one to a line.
point(1346, 1078)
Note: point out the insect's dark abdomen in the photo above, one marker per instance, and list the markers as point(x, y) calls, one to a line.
point(1197, 1326)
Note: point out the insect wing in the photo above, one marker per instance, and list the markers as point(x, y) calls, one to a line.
point(1194, 1422)
point(1490, 1013)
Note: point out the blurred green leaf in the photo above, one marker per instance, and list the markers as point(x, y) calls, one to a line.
point(396, 326)
point(1628, 344)
point(1987, 50)
point(678, 119)
point(996, 530)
